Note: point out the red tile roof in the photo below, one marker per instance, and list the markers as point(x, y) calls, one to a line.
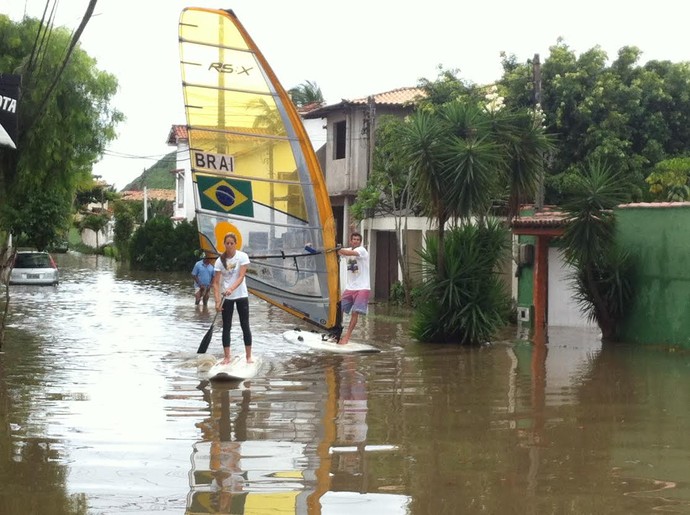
point(177, 132)
point(400, 96)
point(153, 194)
point(397, 97)
point(549, 221)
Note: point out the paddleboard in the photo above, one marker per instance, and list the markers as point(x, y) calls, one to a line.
point(315, 341)
point(237, 370)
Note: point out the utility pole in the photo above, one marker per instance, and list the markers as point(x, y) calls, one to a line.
point(536, 83)
point(371, 129)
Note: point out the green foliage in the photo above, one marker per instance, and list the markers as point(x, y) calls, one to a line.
point(62, 132)
point(590, 227)
point(389, 188)
point(95, 222)
point(124, 227)
point(603, 275)
point(397, 295)
point(613, 276)
point(306, 93)
point(93, 193)
point(669, 179)
point(468, 303)
point(40, 219)
point(468, 153)
point(447, 87)
point(627, 115)
point(161, 246)
point(156, 177)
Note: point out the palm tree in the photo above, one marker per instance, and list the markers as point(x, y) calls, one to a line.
point(306, 93)
point(603, 272)
point(464, 157)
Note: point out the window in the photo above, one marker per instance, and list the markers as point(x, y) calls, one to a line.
point(180, 190)
point(339, 131)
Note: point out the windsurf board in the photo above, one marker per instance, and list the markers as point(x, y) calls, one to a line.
point(316, 341)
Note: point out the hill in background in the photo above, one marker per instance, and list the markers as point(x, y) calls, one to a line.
point(157, 177)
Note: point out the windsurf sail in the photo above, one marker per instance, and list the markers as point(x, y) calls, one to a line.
point(254, 170)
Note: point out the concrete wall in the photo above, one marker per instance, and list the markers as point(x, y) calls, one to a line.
point(658, 237)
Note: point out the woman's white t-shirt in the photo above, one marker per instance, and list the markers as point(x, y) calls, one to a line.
point(230, 273)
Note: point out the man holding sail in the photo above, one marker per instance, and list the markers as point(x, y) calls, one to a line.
point(355, 298)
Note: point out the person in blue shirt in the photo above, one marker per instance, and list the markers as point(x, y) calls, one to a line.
point(203, 273)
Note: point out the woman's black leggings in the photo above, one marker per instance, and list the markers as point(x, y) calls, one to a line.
point(243, 312)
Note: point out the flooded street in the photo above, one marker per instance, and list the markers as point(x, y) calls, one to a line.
point(106, 410)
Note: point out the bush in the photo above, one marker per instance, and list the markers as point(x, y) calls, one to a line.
point(469, 304)
point(397, 294)
point(159, 245)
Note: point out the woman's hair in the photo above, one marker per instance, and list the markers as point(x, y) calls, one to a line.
point(224, 256)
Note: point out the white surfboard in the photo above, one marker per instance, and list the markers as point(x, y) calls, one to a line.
point(237, 370)
point(316, 341)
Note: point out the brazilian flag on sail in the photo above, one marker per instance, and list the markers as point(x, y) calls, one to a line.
point(225, 195)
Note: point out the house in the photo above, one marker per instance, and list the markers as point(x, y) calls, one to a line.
point(183, 207)
point(656, 236)
point(350, 130)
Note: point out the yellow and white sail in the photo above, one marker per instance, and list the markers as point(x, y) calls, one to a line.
point(254, 169)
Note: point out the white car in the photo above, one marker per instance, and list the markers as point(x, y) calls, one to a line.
point(33, 267)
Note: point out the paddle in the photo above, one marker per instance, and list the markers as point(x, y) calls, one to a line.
point(206, 340)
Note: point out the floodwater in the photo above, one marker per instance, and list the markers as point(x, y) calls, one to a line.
point(105, 410)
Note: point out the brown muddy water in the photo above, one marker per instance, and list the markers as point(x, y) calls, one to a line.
point(105, 410)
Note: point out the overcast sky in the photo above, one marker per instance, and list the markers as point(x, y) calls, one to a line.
point(350, 49)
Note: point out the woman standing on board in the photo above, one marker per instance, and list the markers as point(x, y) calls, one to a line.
point(230, 290)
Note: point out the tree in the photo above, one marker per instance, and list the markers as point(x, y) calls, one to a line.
point(150, 239)
point(669, 179)
point(65, 120)
point(41, 219)
point(94, 222)
point(389, 191)
point(454, 162)
point(306, 94)
point(465, 155)
point(603, 272)
point(624, 114)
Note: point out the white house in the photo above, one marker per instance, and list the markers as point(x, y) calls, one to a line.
point(183, 208)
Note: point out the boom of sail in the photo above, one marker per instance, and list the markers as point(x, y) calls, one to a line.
point(254, 170)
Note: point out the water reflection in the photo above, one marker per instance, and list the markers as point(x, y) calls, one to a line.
point(285, 445)
point(105, 406)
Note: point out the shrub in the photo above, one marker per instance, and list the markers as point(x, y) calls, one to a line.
point(469, 303)
point(162, 246)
